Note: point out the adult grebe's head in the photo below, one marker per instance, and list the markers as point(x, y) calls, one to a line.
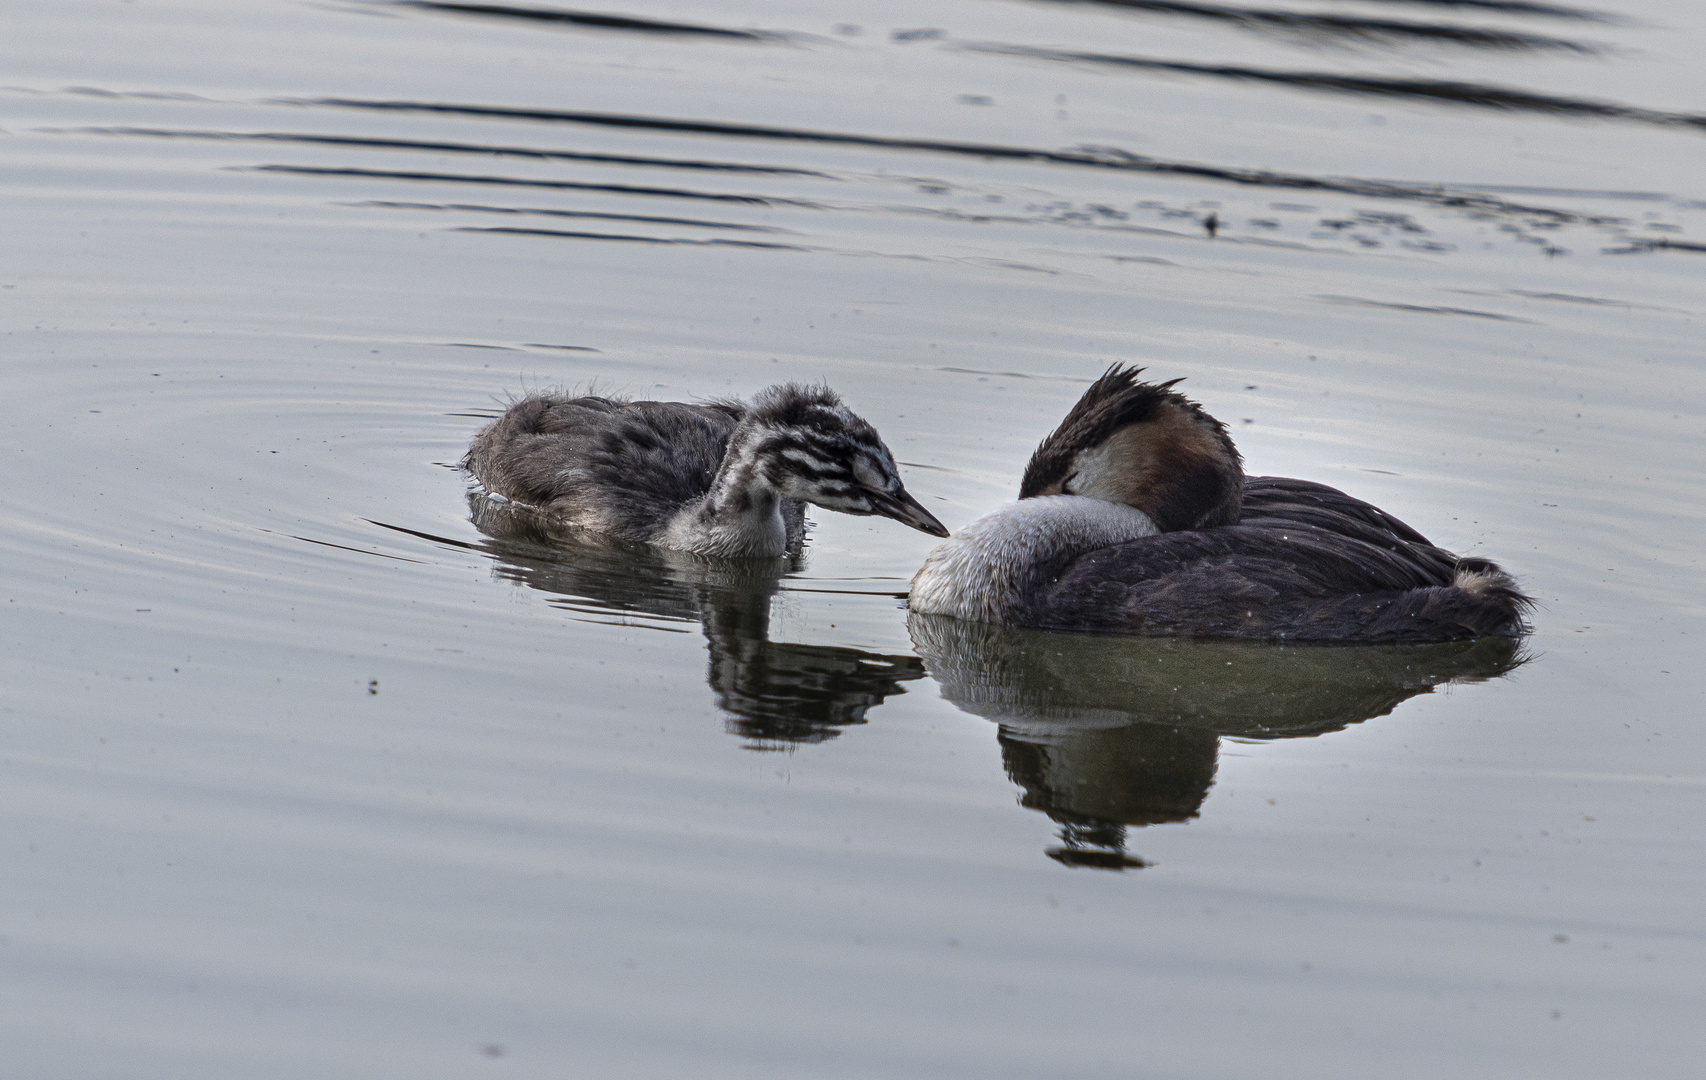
point(811, 447)
point(1143, 445)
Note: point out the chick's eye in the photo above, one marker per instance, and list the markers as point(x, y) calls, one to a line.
point(868, 475)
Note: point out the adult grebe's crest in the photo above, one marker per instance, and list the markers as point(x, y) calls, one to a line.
point(1146, 446)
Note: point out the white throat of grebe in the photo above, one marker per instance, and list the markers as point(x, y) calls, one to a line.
point(986, 570)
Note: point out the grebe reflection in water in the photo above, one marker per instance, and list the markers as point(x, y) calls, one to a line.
point(776, 694)
point(1104, 734)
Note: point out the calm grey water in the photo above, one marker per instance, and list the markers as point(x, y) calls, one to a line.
point(313, 764)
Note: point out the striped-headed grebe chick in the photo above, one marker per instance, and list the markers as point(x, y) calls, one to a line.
point(1135, 517)
point(724, 478)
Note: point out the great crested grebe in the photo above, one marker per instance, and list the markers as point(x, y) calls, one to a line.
point(1135, 517)
point(725, 478)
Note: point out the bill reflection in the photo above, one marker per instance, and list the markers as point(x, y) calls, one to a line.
point(1105, 734)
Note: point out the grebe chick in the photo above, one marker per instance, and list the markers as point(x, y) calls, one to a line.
point(1135, 517)
point(724, 478)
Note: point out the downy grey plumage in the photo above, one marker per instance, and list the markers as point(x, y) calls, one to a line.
point(723, 478)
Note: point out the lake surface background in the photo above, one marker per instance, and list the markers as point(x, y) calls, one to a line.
point(311, 766)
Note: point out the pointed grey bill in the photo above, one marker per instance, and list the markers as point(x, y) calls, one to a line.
point(905, 509)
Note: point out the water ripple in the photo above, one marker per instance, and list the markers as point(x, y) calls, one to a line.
point(363, 142)
point(1433, 91)
point(513, 181)
point(644, 219)
point(591, 19)
point(565, 234)
point(1324, 27)
point(1099, 157)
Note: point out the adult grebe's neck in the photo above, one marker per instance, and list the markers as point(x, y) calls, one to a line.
point(741, 514)
point(986, 571)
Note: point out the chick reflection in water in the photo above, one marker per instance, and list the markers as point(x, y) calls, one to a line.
point(776, 693)
point(1103, 734)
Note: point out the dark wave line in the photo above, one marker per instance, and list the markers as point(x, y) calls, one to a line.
point(596, 20)
point(1566, 298)
point(565, 234)
point(1514, 7)
point(1420, 309)
point(1439, 91)
point(1087, 157)
point(432, 537)
point(358, 551)
point(510, 181)
point(370, 143)
point(130, 95)
point(1641, 245)
point(1575, 192)
point(646, 219)
point(1319, 25)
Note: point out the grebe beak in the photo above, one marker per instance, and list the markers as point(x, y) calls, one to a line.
point(905, 509)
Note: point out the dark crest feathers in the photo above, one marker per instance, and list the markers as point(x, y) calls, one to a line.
point(1200, 492)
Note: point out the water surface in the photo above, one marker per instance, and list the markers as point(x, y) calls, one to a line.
point(313, 763)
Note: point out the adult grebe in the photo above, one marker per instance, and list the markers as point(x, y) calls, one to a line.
point(1135, 517)
point(724, 478)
